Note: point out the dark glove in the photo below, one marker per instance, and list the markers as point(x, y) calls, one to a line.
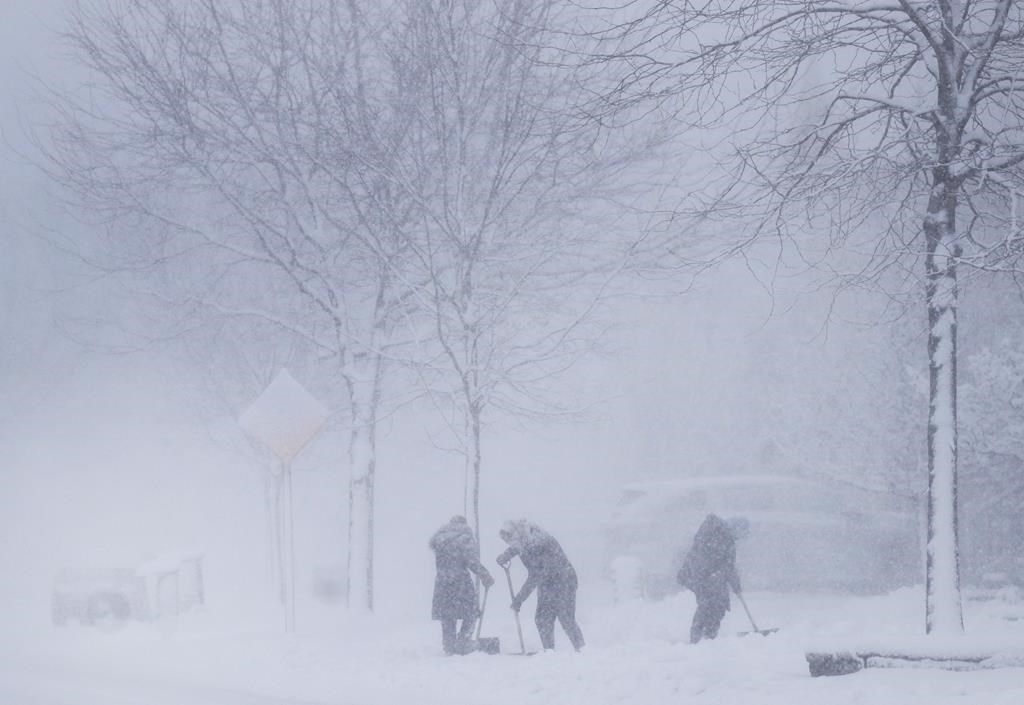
point(505, 558)
point(487, 580)
point(516, 604)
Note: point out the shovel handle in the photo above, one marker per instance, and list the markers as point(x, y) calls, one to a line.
point(747, 610)
point(512, 596)
point(508, 577)
point(483, 606)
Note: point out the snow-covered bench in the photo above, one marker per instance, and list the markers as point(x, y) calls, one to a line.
point(952, 654)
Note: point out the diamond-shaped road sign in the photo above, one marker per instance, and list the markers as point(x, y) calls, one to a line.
point(284, 417)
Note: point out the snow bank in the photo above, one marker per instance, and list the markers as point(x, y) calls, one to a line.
point(637, 653)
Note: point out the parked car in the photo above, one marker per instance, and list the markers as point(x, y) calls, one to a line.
point(166, 585)
point(102, 598)
point(805, 535)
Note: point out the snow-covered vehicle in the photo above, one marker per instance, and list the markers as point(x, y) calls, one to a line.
point(97, 597)
point(108, 597)
point(805, 535)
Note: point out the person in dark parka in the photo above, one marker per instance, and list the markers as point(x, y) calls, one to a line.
point(455, 596)
point(709, 570)
point(551, 573)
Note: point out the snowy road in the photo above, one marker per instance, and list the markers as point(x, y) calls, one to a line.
point(638, 654)
point(33, 686)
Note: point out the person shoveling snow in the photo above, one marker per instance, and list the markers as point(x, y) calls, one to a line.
point(709, 570)
point(455, 595)
point(551, 573)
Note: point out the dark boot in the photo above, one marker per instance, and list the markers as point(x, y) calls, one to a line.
point(464, 642)
point(465, 646)
point(711, 630)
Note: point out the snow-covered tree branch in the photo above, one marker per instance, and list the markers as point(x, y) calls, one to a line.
point(891, 130)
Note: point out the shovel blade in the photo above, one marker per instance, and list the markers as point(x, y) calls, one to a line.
point(762, 632)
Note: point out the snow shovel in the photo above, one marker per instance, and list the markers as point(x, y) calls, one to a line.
point(754, 630)
point(490, 644)
point(519, 627)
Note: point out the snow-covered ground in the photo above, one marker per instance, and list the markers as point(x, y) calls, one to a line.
point(636, 653)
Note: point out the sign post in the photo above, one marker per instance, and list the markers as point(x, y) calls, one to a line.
point(285, 417)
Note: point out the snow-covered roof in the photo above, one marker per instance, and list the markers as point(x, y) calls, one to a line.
point(679, 486)
point(763, 495)
point(168, 562)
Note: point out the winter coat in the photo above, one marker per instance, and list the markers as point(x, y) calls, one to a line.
point(547, 566)
point(455, 554)
point(709, 568)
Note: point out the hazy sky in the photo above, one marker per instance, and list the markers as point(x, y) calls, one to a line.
point(96, 463)
point(26, 45)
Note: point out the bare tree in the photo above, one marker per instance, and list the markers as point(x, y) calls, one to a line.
point(510, 262)
point(331, 169)
point(225, 146)
point(893, 131)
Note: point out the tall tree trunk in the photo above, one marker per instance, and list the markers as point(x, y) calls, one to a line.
point(363, 462)
point(360, 525)
point(472, 499)
point(943, 611)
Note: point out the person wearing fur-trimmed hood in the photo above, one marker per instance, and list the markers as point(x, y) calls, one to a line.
point(455, 595)
point(550, 572)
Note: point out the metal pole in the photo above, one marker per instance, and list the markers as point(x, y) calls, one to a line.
point(279, 529)
point(291, 549)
